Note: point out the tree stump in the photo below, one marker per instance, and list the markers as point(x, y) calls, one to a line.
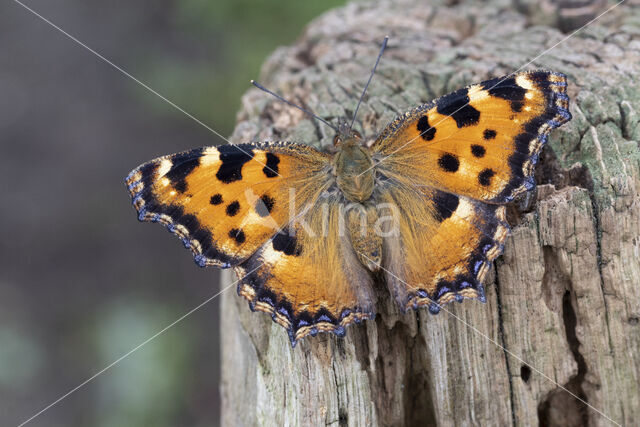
point(563, 305)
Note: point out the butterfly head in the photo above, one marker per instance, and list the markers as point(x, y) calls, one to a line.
point(346, 135)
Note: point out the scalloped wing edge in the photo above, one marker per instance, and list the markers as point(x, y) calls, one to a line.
point(536, 131)
point(185, 227)
point(302, 325)
point(489, 250)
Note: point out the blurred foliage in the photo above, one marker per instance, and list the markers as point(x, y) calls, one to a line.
point(20, 359)
point(146, 388)
point(238, 36)
point(82, 283)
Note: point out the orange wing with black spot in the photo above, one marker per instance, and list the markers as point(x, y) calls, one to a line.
point(481, 141)
point(224, 202)
point(442, 247)
point(237, 205)
point(462, 156)
point(308, 276)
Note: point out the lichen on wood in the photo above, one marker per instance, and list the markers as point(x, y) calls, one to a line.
point(563, 307)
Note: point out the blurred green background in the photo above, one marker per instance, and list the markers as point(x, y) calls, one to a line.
point(81, 281)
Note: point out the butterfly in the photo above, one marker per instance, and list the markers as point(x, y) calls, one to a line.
point(308, 232)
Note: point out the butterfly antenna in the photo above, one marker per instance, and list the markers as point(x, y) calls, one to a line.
point(373, 71)
point(311, 113)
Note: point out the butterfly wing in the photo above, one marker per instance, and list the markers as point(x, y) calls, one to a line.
point(449, 165)
point(235, 205)
point(224, 202)
point(481, 141)
point(442, 246)
point(308, 277)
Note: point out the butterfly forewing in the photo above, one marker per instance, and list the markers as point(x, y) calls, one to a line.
point(481, 141)
point(225, 202)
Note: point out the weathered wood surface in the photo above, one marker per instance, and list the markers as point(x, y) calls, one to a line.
point(564, 305)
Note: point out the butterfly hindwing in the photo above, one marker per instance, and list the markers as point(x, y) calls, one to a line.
point(308, 277)
point(481, 141)
point(443, 245)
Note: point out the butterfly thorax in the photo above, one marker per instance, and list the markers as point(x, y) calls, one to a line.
point(353, 167)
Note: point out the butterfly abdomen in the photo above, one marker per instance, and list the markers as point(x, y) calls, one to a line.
point(362, 223)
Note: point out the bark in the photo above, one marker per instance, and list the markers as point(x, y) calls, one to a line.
point(563, 306)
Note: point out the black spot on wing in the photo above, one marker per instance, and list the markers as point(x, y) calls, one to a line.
point(489, 134)
point(484, 177)
point(233, 158)
point(216, 199)
point(182, 165)
point(180, 186)
point(449, 162)
point(271, 168)
point(508, 90)
point(237, 235)
point(284, 242)
point(540, 79)
point(233, 208)
point(478, 150)
point(456, 105)
point(445, 204)
point(264, 205)
point(426, 131)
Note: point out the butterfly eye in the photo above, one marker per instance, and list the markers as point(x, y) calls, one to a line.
point(357, 134)
point(336, 140)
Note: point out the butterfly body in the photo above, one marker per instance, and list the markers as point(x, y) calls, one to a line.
point(366, 234)
point(424, 205)
point(354, 169)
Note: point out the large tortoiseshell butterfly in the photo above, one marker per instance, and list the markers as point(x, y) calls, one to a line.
point(422, 206)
